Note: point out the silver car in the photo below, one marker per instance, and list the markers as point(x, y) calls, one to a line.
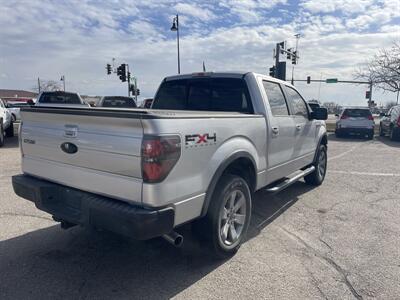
point(355, 121)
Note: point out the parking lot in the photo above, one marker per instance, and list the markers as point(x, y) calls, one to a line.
point(337, 241)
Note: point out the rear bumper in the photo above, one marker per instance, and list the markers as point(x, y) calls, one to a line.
point(87, 209)
point(349, 130)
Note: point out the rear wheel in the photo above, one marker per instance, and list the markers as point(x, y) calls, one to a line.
point(318, 176)
point(228, 217)
point(370, 135)
point(381, 132)
point(10, 130)
point(392, 134)
point(1, 133)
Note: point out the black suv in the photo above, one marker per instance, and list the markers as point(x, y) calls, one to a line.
point(390, 123)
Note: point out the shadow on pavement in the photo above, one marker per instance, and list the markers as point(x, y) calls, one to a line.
point(11, 142)
point(79, 263)
point(386, 140)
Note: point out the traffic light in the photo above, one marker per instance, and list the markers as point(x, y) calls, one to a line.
point(137, 92)
point(108, 69)
point(294, 58)
point(367, 94)
point(308, 79)
point(289, 53)
point(121, 72)
point(272, 71)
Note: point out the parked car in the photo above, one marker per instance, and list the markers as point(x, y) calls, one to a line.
point(210, 141)
point(59, 98)
point(14, 108)
point(314, 105)
point(355, 120)
point(117, 101)
point(147, 103)
point(390, 123)
point(6, 123)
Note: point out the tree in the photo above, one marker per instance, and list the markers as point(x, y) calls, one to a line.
point(383, 70)
point(47, 85)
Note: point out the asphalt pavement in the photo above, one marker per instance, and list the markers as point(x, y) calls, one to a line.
point(337, 241)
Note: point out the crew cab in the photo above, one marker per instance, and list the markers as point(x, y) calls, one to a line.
point(208, 143)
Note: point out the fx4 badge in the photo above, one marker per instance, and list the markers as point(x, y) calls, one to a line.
point(70, 131)
point(196, 140)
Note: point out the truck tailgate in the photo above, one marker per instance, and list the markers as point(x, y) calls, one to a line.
point(106, 159)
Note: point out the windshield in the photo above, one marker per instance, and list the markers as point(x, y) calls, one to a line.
point(60, 98)
point(357, 113)
point(204, 94)
point(118, 102)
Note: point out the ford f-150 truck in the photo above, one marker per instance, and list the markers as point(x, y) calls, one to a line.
point(209, 141)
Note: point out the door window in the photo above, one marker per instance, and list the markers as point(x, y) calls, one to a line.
point(297, 103)
point(276, 99)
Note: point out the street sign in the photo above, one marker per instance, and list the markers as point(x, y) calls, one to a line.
point(331, 80)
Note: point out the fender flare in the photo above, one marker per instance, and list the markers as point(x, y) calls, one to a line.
point(218, 173)
point(323, 136)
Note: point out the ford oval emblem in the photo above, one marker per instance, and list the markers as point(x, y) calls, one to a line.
point(69, 148)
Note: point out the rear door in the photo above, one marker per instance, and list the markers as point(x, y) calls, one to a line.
point(281, 127)
point(357, 118)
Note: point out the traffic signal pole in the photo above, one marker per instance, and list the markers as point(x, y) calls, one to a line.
point(129, 80)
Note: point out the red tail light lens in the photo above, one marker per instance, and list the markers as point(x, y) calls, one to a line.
point(343, 117)
point(159, 156)
point(370, 117)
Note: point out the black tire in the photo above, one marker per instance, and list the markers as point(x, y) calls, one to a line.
point(1, 133)
point(370, 135)
point(211, 227)
point(381, 132)
point(321, 162)
point(392, 134)
point(10, 130)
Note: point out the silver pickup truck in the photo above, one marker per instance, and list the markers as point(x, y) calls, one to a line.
point(207, 144)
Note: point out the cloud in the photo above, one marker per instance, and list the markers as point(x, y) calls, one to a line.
point(51, 38)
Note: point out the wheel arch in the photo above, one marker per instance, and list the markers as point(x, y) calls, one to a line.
point(240, 163)
point(323, 140)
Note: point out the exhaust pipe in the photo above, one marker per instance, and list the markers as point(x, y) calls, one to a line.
point(173, 238)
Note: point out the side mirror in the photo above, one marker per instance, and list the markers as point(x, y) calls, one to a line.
point(319, 113)
point(30, 102)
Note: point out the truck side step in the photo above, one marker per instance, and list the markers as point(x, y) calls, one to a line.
point(290, 180)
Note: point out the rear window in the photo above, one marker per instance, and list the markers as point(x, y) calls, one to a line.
point(204, 94)
point(357, 113)
point(118, 102)
point(64, 98)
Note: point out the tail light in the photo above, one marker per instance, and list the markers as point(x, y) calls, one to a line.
point(343, 117)
point(370, 117)
point(159, 156)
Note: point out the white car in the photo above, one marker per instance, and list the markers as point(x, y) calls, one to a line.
point(6, 123)
point(355, 120)
point(14, 108)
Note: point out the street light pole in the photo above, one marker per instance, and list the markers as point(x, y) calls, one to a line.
point(175, 27)
point(63, 80)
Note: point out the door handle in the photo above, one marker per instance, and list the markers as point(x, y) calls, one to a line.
point(298, 127)
point(275, 130)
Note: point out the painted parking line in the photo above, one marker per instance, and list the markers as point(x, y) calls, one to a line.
point(364, 173)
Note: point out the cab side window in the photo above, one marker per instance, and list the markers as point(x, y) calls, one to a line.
point(276, 99)
point(297, 102)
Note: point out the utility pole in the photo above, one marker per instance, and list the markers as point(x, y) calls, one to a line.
point(38, 82)
point(175, 27)
point(129, 80)
point(297, 45)
point(370, 95)
point(63, 80)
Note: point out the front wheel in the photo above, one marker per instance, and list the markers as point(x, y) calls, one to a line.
point(10, 130)
point(1, 133)
point(320, 164)
point(228, 217)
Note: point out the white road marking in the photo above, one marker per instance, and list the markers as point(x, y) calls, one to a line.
point(364, 173)
point(342, 154)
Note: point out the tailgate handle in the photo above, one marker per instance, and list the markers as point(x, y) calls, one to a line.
point(275, 130)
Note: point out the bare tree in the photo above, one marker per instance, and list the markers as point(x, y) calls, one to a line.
point(48, 85)
point(383, 70)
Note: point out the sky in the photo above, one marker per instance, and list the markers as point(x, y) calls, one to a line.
point(50, 38)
